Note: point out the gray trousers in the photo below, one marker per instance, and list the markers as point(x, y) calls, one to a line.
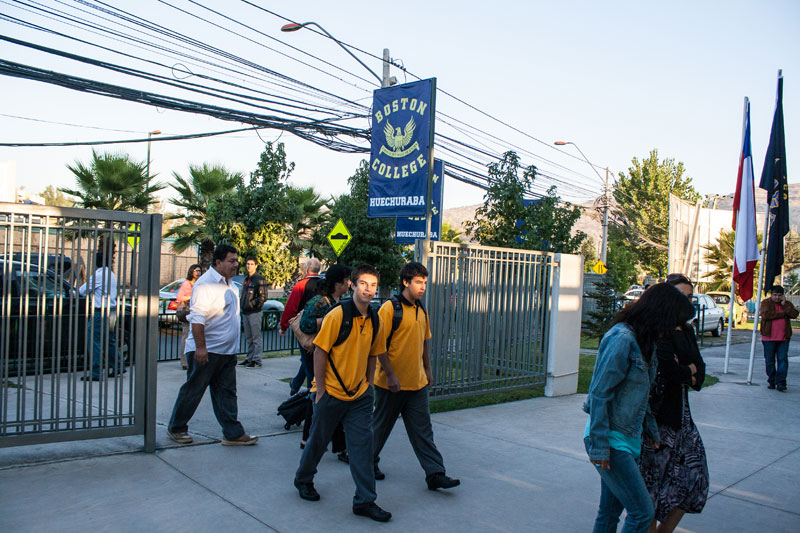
point(252, 335)
point(413, 405)
point(356, 417)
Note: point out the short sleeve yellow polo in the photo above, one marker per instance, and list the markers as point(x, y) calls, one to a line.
point(405, 352)
point(351, 356)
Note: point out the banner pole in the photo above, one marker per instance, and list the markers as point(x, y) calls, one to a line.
point(429, 196)
point(764, 240)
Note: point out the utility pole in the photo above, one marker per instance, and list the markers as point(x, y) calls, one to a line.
point(387, 80)
point(604, 248)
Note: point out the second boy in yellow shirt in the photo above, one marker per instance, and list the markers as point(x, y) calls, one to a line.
point(403, 376)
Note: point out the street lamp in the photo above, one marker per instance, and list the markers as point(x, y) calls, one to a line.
point(150, 136)
point(386, 81)
point(605, 197)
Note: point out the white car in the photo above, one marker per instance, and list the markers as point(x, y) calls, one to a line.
point(633, 294)
point(709, 316)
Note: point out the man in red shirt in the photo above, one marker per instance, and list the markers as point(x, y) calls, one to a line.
point(776, 330)
point(301, 293)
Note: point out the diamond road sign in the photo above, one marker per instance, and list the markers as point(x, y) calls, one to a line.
point(339, 237)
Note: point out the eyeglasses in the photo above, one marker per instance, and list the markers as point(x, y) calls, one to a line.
point(677, 279)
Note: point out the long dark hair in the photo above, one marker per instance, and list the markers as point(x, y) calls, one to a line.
point(335, 274)
point(190, 272)
point(659, 310)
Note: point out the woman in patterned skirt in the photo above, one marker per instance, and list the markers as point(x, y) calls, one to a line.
point(676, 474)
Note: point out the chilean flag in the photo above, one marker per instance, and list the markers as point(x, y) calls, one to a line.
point(745, 250)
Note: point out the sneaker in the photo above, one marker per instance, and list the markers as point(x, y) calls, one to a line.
point(243, 362)
point(378, 474)
point(781, 388)
point(771, 386)
point(307, 491)
point(90, 378)
point(242, 440)
point(253, 364)
point(344, 457)
point(180, 437)
point(371, 510)
point(441, 481)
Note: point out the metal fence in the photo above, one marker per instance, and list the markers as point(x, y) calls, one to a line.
point(489, 312)
point(50, 327)
point(170, 331)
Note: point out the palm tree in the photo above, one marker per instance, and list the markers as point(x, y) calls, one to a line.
point(314, 213)
point(113, 181)
point(720, 256)
point(205, 184)
point(450, 234)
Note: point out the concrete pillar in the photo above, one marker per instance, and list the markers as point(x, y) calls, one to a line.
point(566, 299)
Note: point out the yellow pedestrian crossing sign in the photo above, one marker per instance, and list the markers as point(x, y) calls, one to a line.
point(599, 268)
point(339, 237)
point(133, 240)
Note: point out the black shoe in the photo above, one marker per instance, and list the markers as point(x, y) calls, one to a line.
point(771, 386)
point(253, 364)
point(781, 388)
point(243, 362)
point(371, 510)
point(378, 474)
point(441, 481)
point(307, 491)
point(90, 378)
point(344, 457)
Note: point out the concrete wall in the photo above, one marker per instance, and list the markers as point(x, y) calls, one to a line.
point(565, 326)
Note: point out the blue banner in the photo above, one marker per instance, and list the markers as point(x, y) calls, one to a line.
point(409, 229)
point(402, 130)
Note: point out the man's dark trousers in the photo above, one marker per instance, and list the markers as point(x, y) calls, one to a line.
point(776, 357)
point(219, 373)
point(356, 417)
point(413, 405)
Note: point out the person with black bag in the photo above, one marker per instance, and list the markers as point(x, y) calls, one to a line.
point(345, 353)
point(329, 292)
point(676, 473)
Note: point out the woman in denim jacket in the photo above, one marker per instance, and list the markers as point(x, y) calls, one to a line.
point(618, 408)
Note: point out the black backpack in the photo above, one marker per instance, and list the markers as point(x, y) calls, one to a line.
point(348, 312)
point(397, 317)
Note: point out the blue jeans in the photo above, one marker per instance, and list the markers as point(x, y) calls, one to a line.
point(776, 351)
point(622, 487)
point(104, 342)
point(306, 370)
point(219, 373)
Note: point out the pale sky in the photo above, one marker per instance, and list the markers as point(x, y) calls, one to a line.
point(617, 78)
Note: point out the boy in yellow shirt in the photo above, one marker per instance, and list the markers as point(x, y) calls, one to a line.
point(403, 376)
point(344, 367)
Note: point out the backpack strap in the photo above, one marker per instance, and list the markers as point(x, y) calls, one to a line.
point(348, 312)
point(397, 317)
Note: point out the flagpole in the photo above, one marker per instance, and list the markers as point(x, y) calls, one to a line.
point(733, 265)
point(758, 298)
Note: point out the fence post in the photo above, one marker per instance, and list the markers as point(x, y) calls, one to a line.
point(151, 350)
point(566, 299)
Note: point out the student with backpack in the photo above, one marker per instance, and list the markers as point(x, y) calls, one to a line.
point(344, 366)
point(403, 377)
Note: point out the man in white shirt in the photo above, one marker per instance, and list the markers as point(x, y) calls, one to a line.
point(211, 352)
point(101, 288)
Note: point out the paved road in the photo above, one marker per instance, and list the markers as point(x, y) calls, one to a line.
point(522, 466)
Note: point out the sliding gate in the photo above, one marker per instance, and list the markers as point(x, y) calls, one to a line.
point(59, 306)
point(489, 310)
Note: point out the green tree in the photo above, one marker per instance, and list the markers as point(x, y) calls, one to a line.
point(505, 220)
point(113, 181)
point(373, 238)
point(204, 184)
point(256, 218)
point(313, 213)
point(589, 252)
point(621, 265)
point(450, 234)
point(53, 196)
point(606, 306)
point(641, 212)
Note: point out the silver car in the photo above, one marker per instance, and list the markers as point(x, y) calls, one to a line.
point(709, 316)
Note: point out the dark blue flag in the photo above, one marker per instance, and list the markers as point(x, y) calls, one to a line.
point(773, 180)
point(409, 229)
point(402, 141)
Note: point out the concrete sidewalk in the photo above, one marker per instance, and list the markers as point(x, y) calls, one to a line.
point(522, 466)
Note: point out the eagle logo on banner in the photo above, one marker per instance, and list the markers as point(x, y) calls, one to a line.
point(398, 140)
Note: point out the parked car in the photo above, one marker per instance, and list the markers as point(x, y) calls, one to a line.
point(632, 295)
point(272, 309)
point(723, 299)
point(44, 321)
point(709, 316)
point(167, 303)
